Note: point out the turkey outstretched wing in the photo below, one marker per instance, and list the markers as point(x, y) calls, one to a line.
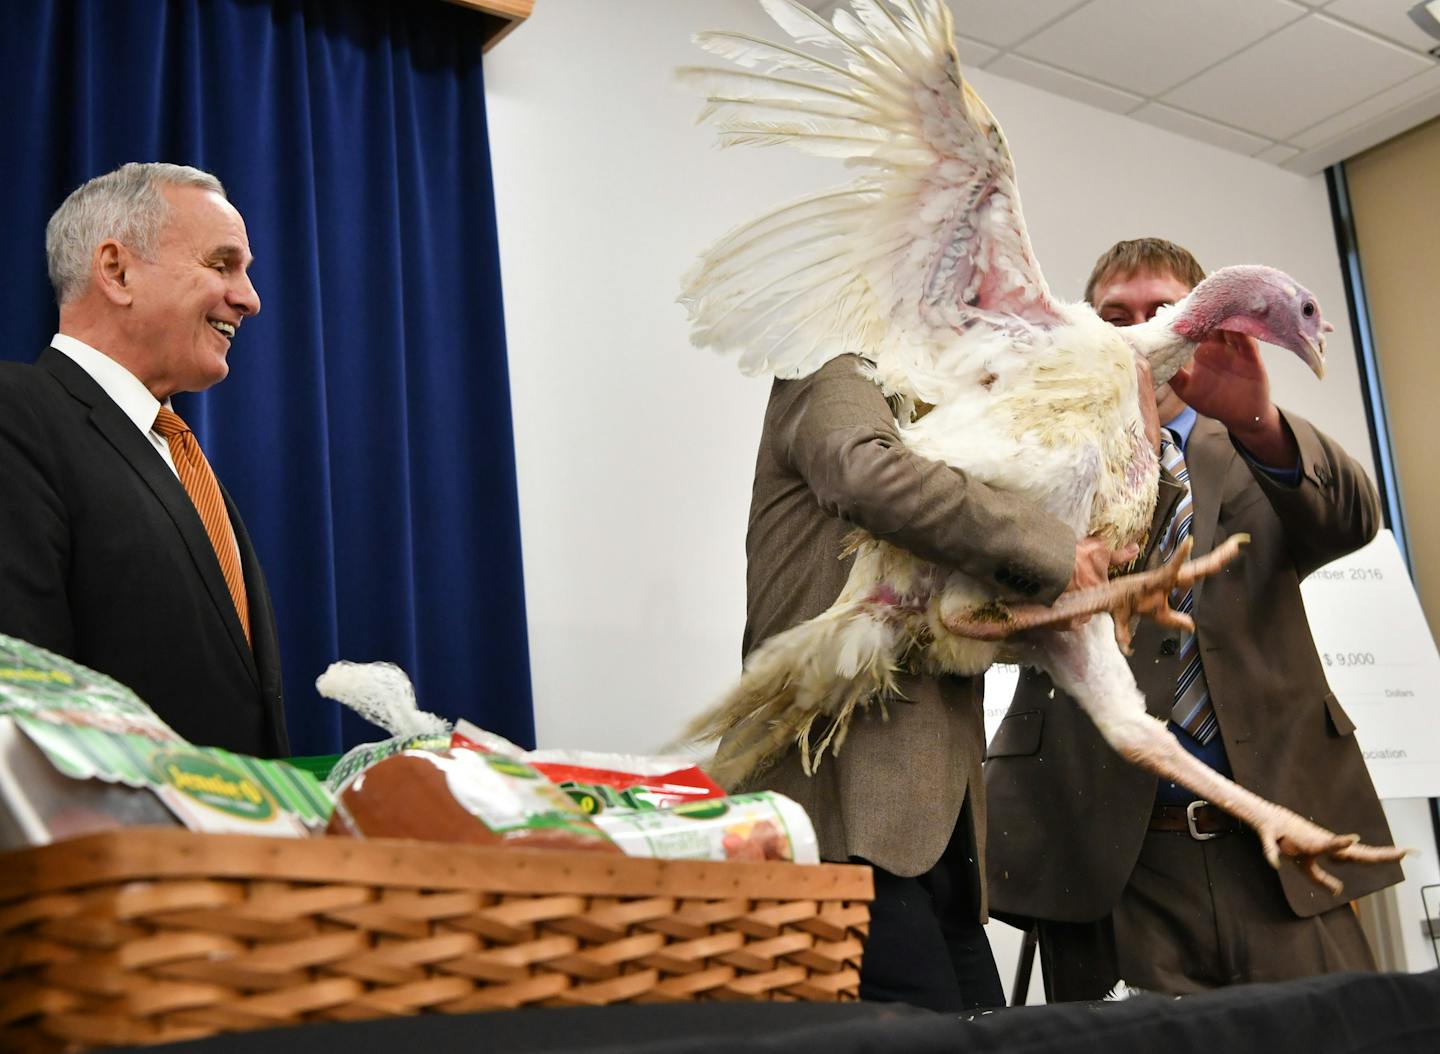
point(928, 241)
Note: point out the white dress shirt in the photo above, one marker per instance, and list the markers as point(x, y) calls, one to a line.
point(122, 386)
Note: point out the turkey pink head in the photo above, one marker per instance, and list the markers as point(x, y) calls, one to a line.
point(1262, 302)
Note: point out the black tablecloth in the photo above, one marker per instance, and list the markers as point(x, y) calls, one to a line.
point(1353, 1013)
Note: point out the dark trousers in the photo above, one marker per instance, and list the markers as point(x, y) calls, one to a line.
point(1196, 916)
point(926, 945)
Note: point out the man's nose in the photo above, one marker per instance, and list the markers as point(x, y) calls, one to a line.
point(244, 296)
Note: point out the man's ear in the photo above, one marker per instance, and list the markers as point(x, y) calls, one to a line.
point(110, 266)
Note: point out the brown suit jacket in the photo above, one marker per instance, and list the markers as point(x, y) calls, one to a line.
point(1068, 817)
point(831, 460)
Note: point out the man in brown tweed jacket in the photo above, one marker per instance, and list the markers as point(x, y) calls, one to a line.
point(904, 794)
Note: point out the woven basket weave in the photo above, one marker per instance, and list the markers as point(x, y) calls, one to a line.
point(156, 935)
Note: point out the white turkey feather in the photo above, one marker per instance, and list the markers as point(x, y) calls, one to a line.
point(878, 33)
point(732, 85)
point(753, 52)
point(798, 216)
point(806, 26)
point(895, 265)
point(818, 137)
point(734, 113)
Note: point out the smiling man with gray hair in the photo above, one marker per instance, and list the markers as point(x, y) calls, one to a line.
point(118, 546)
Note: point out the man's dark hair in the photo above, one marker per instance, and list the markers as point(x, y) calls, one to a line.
point(1144, 256)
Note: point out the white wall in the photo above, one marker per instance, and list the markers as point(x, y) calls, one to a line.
point(634, 449)
point(1416, 949)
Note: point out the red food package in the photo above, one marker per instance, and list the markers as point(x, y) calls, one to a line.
point(603, 782)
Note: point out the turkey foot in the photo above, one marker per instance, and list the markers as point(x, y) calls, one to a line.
point(1146, 593)
point(1281, 832)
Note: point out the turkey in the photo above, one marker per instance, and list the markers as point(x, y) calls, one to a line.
point(922, 266)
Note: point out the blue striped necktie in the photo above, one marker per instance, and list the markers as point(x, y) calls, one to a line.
point(1192, 710)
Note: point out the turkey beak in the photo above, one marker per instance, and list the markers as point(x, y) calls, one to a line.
point(1313, 354)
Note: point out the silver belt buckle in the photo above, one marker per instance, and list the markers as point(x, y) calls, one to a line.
point(1190, 822)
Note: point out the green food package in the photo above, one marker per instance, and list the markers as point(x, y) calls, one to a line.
point(81, 752)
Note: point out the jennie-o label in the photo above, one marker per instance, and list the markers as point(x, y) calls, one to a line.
point(209, 795)
point(91, 728)
point(509, 795)
point(757, 827)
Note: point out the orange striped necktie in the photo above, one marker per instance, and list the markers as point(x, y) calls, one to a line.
point(199, 481)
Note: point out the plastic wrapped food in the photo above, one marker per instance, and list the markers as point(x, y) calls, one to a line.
point(463, 796)
point(357, 759)
point(382, 694)
point(39, 805)
point(759, 826)
point(80, 752)
point(604, 782)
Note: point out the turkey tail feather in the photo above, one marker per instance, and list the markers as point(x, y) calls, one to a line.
point(802, 687)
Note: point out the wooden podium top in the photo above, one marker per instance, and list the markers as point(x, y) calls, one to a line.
point(501, 15)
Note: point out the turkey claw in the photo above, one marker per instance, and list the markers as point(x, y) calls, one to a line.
point(1309, 861)
point(1308, 843)
point(1317, 874)
point(1146, 593)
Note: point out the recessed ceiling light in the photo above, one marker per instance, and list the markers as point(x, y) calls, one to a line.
point(1426, 15)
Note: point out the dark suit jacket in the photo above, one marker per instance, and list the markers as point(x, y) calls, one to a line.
point(1068, 816)
point(830, 460)
point(104, 559)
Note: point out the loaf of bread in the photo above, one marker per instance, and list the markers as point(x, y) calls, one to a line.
point(463, 796)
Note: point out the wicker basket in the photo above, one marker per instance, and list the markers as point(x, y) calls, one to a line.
point(155, 935)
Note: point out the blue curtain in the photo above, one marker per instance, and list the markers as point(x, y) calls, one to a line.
point(365, 427)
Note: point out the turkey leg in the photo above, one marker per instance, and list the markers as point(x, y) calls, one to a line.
point(1086, 663)
point(1146, 593)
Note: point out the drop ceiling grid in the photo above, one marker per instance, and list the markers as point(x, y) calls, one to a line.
point(1007, 23)
point(1386, 18)
point(1297, 77)
point(1371, 109)
point(1281, 80)
point(1152, 50)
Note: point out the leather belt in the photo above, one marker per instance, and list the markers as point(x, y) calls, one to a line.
point(1200, 820)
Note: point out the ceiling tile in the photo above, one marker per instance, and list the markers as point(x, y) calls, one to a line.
point(974, 54)
point(1150, 47)
point(1358, 116)
point(1062, 83)
point(1277, 154)
point(1188, 124)
point(1373, 133)
point(1297, 77)
point(1389, 18)
point(1365, 77)
point(1003, 24)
